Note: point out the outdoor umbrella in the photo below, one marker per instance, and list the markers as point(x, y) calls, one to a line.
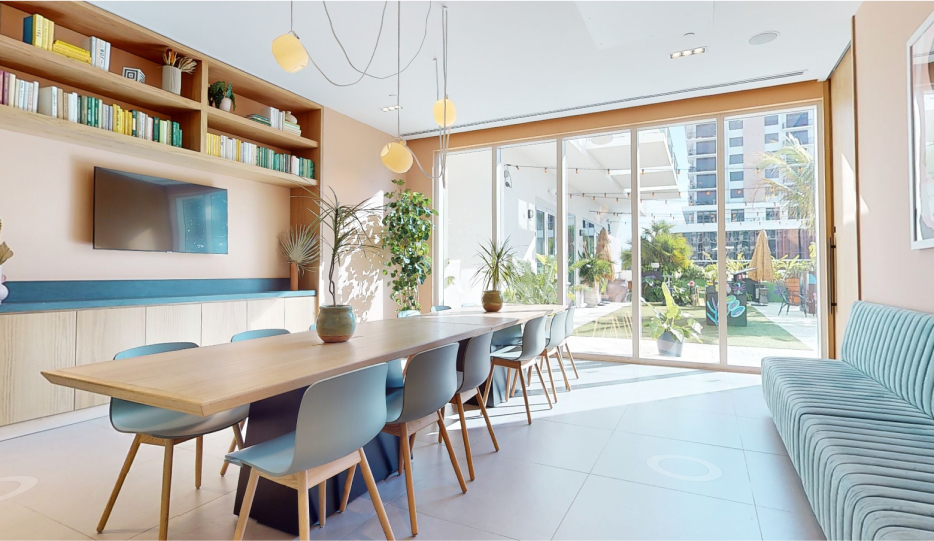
point(762, 260)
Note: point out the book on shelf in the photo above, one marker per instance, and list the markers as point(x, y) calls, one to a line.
point(100, 51)
point(278, 121)
point(71, 51)
point(230, 148)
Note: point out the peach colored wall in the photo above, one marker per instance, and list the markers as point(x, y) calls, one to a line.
point(46, 201)
point(350, 165)
point(891, 273)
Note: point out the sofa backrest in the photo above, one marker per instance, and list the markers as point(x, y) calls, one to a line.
point(895, 347)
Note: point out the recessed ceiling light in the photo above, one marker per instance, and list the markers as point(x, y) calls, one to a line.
point(391, 108)
point(688, 52)
point(763, 38)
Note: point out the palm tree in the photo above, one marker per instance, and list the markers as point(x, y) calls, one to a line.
point(796, 178)
point(670, 250)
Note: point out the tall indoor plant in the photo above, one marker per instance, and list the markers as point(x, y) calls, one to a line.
point(496, 272)
point(346, 230)
point(5, 255)
point(300, 249)
point(407, 228)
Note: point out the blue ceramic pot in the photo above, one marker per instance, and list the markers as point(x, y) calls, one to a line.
point(335, 323)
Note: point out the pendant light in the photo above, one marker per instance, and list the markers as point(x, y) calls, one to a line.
point(445, 112)
point(288, 49)
point(396, 156)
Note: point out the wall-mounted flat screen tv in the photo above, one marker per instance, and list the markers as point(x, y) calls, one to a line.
point(150, 214)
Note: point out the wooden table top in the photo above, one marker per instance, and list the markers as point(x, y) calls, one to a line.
point(207, 380)
point(519, 312)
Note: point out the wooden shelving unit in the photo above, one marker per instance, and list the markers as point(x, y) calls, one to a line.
point(135, 46)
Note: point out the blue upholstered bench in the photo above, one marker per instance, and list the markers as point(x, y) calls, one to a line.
point(860, 430)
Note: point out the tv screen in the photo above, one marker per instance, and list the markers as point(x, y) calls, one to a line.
point(139, 212)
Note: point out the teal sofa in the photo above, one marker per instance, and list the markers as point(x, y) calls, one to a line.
point(860, 430)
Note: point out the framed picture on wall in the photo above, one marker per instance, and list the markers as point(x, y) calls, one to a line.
point(920, 50)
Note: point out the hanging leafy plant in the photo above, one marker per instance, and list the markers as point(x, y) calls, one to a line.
point(407, 229)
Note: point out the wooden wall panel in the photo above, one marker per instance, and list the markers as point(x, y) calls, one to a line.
point(299, 313)
point(30, 343)
point(221, 320)
point(265, 314)
point(101, 334)
point(173, 323)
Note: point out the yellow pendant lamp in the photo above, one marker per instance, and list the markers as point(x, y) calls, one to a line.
point(396, 157)
point(445, 113)
point(288, 49)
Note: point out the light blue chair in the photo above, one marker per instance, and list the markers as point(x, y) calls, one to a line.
point(165, 428)
point(237, 442)
point(440, 308)
point(469, 305)
point(474, 367)
point(395, 377)
point(337, 417)
point(569, 332)
point(519, 358)
point(430, 383)
point(408, 313)
point(553, 338)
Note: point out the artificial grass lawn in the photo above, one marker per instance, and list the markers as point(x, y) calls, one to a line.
point(760, 331)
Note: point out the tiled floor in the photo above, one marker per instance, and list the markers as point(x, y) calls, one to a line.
point(633, 452)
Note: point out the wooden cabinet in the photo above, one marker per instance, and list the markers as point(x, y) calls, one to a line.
point(173, 323)
point(30, 343)
point(265, 314)
point(103, 333)
point(221, 320)
point(300, 313)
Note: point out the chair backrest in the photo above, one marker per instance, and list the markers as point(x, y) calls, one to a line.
point(152, 349)
point(556, 334)
point(533, 338)
point(476, 363)
point(569, 322)
point(510, 336)
point(430, 382)
point(338, 416)
point(469, 305)
point(440, 308)
point(258, 333)
point(408, 313)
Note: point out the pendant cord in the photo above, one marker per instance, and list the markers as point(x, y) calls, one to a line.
point(398, 66)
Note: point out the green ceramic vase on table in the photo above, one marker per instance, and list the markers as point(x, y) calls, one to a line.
point(335, 323)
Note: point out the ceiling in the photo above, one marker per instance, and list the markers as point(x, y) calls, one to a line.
point(513, 62)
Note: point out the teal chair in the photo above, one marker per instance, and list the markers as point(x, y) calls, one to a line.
point(440, 308)
point(395, 376)
point(521, 357)
point(337, 417)
point(474, 367)
point(553, 338)
point(569, 332)
point(430, 383)
point(165, 428)
point(237, 442)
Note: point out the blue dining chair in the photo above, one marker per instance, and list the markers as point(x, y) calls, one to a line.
point(430, 383)
point(336, 418)
point(553, 338)
point(519, 357)
point(440, 308)
point(395, 376)
point(237, 442)
point(569, 332)
point(474, 367)
point(165, 428)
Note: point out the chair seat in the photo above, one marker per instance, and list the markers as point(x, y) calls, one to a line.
point(134, 418)
point(510, 353)
point(272, 457)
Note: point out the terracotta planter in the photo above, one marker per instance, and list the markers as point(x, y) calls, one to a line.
point(335, 323)
point(492, 301)
point(293, 276)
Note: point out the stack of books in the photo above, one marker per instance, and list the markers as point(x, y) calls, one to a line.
point(39, 31)
point(230, 148)
point(19, 93)
point(71, 51)
point(100, 52)
point(274, 118)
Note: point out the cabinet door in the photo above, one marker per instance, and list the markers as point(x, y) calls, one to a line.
point(221, 320)
point(265, 314)
point(30, 343)
point(173, 323)
point(299, 313)
point(101, 335)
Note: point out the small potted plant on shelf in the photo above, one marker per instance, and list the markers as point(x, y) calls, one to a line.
point(346, 230)
point(497, 271)
point(175, 66)
point(300, 248)
point(5, 255)
point(221, 96)
point(407, 229)
point(669, 329)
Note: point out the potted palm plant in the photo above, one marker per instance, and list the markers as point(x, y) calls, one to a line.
point(593, 271)
point(669, 329)
point(496, 272)
point(300, 248)
point(346, 230)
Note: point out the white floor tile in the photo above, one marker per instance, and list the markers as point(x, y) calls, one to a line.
point(561, 445)
point(681, 424)
point(784, 526)
point(428, 528)
point(759, 434)
point(775, 483)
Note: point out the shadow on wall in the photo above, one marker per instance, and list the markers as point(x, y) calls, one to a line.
point(361, 283)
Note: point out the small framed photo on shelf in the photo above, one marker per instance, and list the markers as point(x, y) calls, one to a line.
point(134, 74)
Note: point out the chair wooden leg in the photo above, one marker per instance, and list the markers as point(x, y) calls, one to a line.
point(460, 412)
point(409, 482)
point(481, 399)
point(347, 484)
point(374, 496)
point(199, 459)
point(130, 456)
point(542, 380)
point(525, 395)
point(567, 384)
point(237, 443)
point(304, 512)
point(166, 489)
point(489, 384)
point(232, 448)
point(246, 505)
point(515, 381)
point(457, 468)
point(322, 502)
point(412, 445)
point(551, 378)
point(571, 357)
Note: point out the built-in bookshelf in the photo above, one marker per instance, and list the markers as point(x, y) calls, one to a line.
point(137, 47)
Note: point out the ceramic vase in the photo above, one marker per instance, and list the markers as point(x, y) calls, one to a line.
point(226, 104)
point(289, 117)
point(335, 323)
point(3, 290)
point(172, 79)
point(492, 301)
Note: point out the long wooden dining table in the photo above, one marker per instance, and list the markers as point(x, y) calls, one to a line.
point(271, 375)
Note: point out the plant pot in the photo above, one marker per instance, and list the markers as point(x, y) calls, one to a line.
point(172, 79)
point(591, 296)
point(293, 276)
point(3, 290)
point(335, 323)
point(669, 345)
point(492, 301)
point(226, 105)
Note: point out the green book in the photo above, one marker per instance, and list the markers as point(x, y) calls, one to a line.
point(83, 110)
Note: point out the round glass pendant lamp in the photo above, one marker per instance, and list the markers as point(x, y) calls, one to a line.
point(445, 113)
point(289, 52)
point(396, 157)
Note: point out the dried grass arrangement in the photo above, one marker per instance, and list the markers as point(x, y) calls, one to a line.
point(5, 252)
point(183, 63)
